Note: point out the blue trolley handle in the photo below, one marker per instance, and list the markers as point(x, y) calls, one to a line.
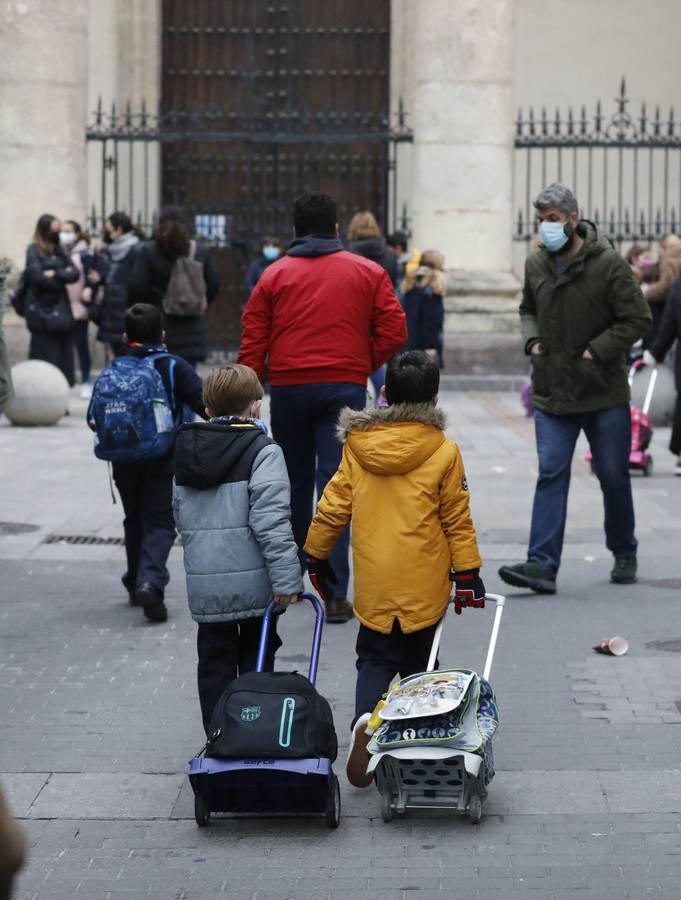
point(316, 640)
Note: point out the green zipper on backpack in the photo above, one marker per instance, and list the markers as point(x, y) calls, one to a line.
point(286, 725)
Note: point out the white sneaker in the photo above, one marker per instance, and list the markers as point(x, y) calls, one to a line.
point(358, 758)
point(86, 392)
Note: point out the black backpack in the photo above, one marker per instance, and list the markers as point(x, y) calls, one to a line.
point(272, 715)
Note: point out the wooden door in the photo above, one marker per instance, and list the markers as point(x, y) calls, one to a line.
point(263, 100)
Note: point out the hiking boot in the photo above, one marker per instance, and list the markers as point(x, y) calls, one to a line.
point(530, 574)
point(338, 611)
point(358, 756)
point(624, 570)
point(150, 598)
point(129, 585)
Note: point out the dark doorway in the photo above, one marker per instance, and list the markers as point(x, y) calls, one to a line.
point(263, 101)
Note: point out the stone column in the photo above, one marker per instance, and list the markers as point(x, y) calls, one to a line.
point(43, 94)
point(455, 68)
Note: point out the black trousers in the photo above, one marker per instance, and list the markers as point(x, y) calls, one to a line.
point(675, 441)
point(227, 650)
point(56, 349)
point(146, 491)
point(380, 657)
point(80, 344)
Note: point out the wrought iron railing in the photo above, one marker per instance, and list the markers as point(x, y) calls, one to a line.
point(140, 153)
point(625, 170)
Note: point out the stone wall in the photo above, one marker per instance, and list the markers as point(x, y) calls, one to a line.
point(43, 84)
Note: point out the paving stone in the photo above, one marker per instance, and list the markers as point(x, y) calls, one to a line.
point(108, 796)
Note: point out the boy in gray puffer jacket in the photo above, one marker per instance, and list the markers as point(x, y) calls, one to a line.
point(233, 508)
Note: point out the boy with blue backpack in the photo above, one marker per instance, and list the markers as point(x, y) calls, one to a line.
point(135, 410)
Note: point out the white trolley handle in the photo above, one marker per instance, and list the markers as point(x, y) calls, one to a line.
point(500, 602)
point(649, 393)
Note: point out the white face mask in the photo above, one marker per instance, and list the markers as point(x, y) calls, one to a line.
point(67, 238)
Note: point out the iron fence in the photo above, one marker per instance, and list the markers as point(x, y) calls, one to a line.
point(237, 173)
point(625, 170)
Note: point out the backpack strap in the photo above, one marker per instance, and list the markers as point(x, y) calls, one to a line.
point(192, 250)
point(163, 354)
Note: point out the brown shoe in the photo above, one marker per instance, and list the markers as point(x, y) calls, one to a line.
point(338, 611)
point(358, 757)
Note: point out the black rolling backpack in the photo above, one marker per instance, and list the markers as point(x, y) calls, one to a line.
point(273, 715)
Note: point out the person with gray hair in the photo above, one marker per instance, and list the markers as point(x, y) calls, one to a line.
point(581, 311)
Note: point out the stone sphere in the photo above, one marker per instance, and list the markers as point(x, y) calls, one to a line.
point(41, 394)
point(664, 396)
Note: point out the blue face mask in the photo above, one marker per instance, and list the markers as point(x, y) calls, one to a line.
point(553, 235)
point(270, 252)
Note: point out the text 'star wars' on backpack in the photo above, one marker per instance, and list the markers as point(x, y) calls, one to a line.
point(132, 414)
point(272, 715)
point(186, 292)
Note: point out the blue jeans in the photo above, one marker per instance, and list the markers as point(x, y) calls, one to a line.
point(304, 420)
point(609, 434)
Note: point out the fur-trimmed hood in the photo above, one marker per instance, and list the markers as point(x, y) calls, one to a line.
point(395, 439)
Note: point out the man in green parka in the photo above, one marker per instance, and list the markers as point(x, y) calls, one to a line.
point(580, 313)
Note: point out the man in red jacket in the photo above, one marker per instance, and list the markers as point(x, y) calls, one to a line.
point(322, 319)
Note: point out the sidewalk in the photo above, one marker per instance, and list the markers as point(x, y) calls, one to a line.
point(98, 711)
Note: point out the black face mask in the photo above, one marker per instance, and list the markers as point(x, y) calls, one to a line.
point(106, 237)
point(54, 238)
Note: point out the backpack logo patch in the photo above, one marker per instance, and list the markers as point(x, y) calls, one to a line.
point(250, 713)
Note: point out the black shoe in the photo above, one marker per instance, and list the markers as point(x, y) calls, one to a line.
point(530, 574)
point(624, 570)
point(338, 611)
point(129, 585)
point(150, 598)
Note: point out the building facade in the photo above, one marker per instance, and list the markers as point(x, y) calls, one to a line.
point(260, 98)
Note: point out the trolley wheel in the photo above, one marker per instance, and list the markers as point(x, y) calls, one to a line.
point(387, 807)
point(475, 808)
point(201, 813)
point(648, 468)
point(333, 804)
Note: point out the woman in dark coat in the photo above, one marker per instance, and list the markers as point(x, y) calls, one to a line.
point(365, 239)
point(185, 335)
point(423, 301)
point(121, 246)
point(669, 331)
point(48, 312)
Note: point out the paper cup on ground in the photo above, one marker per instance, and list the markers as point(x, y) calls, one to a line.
point(614, 646)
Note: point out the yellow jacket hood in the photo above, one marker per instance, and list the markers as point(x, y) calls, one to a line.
point(384, 449)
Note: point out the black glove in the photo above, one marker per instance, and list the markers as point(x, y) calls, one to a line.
point(468, 590)
point(322, 577)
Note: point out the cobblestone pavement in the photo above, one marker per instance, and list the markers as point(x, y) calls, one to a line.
point(98, 711)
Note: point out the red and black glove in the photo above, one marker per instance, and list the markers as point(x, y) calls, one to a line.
point(468, 590)
point(322, 577)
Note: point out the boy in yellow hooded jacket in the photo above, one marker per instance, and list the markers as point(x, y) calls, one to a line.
point(403, 484)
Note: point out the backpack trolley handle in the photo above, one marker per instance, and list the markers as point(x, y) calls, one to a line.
point(316, 639)
point(500, 602)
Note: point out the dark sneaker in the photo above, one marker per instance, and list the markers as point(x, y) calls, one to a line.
point(338, 611)
point(129, 585)
point(530, 574)
point(677, 467)
point(150, 598)
point(624, 570)
point(358, 757)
